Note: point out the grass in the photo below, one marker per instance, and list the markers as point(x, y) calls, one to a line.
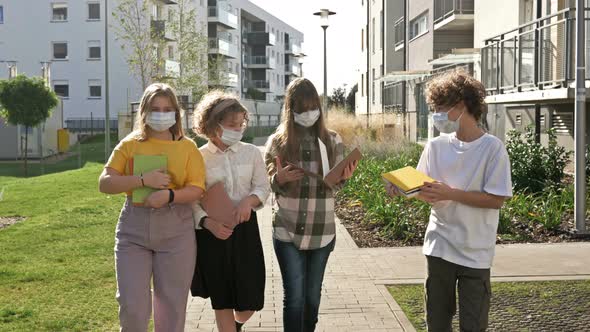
point(57, 268)
point(516, 306)
point(92, 151)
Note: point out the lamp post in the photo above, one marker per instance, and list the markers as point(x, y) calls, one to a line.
point(300, 61)
point(107, 124)
point(324, 14)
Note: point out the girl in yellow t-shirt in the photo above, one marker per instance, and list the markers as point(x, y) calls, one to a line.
point(156, 238)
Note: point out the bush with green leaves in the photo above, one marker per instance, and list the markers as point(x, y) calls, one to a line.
point(533, 165)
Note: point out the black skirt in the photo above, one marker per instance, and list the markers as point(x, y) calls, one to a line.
point(231, 271)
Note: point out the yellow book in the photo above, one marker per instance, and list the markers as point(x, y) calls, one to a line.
point(408, 180)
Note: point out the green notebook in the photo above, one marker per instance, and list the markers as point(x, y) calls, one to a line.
point(144, 164)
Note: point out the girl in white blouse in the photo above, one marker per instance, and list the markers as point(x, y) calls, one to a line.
point(230, 262)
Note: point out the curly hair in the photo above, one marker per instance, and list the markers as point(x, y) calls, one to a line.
point(454, 87)
point(212, 109)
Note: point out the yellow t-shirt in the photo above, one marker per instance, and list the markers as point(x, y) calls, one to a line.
point(185, 163)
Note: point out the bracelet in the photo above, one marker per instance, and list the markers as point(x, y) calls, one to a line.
point(141, 178)
point(171, 197)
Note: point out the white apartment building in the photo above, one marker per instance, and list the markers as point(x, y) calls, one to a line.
point(258, 49)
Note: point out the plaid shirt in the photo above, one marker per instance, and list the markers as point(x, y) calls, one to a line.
point(305, 214)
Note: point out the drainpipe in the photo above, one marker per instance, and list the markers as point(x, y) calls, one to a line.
point(538, 14)
point(368, 59)
point(580, 122)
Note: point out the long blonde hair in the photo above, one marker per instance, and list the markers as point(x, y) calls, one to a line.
point(301, 95)
point(151, 92)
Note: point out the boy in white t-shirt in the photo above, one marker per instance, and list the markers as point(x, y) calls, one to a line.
point(472, 173)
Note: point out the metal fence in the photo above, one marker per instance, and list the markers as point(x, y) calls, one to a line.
point(90, 125)
point(535, 54)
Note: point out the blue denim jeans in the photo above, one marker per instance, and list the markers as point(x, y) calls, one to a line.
point(303, 273)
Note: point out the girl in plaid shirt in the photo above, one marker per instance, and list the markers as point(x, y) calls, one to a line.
point(303, 226)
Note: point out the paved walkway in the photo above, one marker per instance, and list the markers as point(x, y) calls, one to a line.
point(354, 296)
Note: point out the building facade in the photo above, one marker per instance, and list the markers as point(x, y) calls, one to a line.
point(254, 49)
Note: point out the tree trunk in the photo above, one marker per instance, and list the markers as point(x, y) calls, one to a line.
point(26, 148)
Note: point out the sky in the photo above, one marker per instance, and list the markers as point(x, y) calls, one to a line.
point(342, 38)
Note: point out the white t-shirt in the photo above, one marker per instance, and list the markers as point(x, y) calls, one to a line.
point(456, 232)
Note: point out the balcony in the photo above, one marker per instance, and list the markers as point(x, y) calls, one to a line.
point(160, 30)
point(262, 85)
point(453, 14)
point(225, 79)
point(170, 69)
point(260, 38)
point(220, 14)
point(222, 47)
point(532, 62)
point(292, 69)
point(259, 62)
point(292, 49)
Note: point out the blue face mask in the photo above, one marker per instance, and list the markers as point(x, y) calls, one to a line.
point(443, 124)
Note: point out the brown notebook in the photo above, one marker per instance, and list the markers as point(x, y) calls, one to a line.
point(335, 174)
point(219, 206)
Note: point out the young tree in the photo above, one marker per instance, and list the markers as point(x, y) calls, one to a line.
point(196, 69)
point(351, 98)
point(27, 102)
point(338, 98)
point(141, 38)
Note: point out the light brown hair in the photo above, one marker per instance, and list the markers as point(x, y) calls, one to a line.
point(212, 109)
point(301, 96)
point(151, 92)
point(447, 90)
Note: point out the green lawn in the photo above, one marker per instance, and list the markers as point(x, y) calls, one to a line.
point(56, 267)
point(92, 150)
point(516, 306)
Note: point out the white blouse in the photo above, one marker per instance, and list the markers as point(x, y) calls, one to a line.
point(242, 170)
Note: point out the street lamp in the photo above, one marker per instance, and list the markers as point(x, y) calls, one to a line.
point(324, 14)
point(107, 123)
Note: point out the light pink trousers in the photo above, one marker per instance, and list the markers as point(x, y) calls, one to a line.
point(158, 243)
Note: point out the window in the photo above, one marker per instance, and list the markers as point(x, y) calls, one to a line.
point(202, 4)
point(94, 89)
point(60, 50)
point(373, 92)
point(362, 40)
point(59, 12)
point(419, 26)
point(94, 50)
point(518, 119)
point(362, 85)
point(1, 14)
point(94, 11)
point(399, 33)
point(170, 52)
point(61, 88)
point(170, 15)
point(373, 33)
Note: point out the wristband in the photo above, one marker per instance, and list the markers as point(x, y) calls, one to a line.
point(171, 197)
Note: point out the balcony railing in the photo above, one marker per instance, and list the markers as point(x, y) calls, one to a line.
point(534, 55)
point(161, 30)
point(222, 46)
point(260, 38)
point(291, 48)
point(261, 61)
point(222, 15)
point(446, 8)
point(291, 69)
point(258, 84)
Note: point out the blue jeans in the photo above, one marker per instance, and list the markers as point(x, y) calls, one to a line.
point(303, 273)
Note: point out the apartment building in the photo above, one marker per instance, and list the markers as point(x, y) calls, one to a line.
point(528, 66)
point(414, 40)
point(255, 49)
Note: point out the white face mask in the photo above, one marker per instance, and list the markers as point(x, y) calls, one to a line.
point(307, 119)
point(443, 124)
point(230, 137)
point(161, 121)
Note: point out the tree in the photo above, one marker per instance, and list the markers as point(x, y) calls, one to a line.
point(141, 38)
point(27, 102)
point(338, 97)
point(196, 69)
point(351, 99)
point(255, 94)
